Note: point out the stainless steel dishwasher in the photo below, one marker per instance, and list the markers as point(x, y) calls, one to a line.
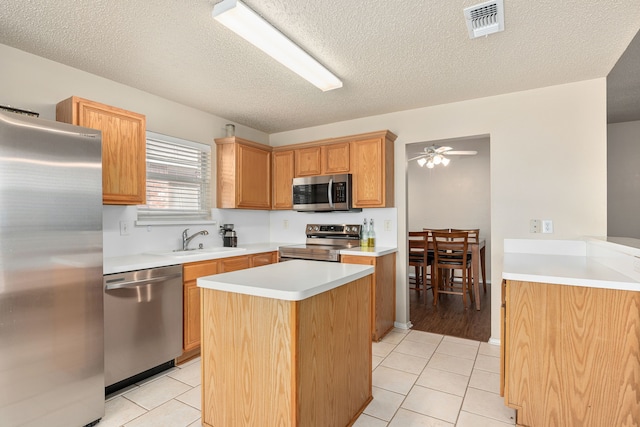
point(142, 323)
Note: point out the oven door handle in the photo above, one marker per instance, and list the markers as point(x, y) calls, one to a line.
point(331, 192)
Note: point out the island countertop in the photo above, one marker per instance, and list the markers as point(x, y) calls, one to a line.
point(291, 281)
point(590, 263)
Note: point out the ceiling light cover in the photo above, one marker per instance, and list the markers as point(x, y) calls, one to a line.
point(485, 18)
point(236, 16)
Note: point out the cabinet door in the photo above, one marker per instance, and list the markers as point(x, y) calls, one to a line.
point(308, 161)
point(191, 321)
point(368, 169)
point(263, 259)
point(234, 264)
point(283, 172)
point(335, 158)
point(254, 178)
point(123, 147)
point(383, 291)
point(191, 301)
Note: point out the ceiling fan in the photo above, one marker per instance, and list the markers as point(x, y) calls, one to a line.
point(435, 155)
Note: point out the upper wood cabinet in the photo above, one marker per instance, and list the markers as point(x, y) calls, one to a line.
point(283, 173)
point(368, 157)
point(323, 159)
point(308, 161)
point(335, 158)
point(244, 174)
point(123, 147)
point(372, 170)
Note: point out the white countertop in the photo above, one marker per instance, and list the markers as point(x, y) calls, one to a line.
point(291, 280)
point(143, 261)
point(374, 252)
point(611, 270)
point(149, 260)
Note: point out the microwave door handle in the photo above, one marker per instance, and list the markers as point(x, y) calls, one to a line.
point(331, 192)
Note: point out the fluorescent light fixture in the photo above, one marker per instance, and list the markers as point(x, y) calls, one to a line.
point(236, 16)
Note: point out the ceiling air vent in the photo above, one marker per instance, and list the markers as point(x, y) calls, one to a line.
point(485, 18)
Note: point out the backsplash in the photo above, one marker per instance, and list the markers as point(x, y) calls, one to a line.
point(252, 226)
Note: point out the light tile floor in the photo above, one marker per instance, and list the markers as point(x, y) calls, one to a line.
point(419, 380)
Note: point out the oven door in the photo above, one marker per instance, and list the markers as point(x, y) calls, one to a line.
point(309, 253)
point(322, 193)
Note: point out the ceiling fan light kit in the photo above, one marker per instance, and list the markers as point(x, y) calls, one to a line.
point(243, 21)
point(435, 155)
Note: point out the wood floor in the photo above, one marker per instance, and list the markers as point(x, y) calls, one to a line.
point(449, 317)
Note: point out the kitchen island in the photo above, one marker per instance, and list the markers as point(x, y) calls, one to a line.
point(570, 335)
point(286, 344)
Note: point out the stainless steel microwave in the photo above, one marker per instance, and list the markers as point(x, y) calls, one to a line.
point(322, 193)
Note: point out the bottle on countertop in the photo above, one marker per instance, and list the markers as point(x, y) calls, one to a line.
point(371, 235)
point(364, 235)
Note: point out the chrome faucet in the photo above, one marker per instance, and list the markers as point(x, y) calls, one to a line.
point(186, 240)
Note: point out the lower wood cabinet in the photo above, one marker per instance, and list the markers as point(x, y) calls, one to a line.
point(383, 291)
point(271, 362)
point(191, 301)
point(191, 298)
point(570, 355)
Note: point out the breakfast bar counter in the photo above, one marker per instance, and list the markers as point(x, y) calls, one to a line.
point(286, 344)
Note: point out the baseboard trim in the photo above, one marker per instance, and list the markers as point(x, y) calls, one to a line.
point(406, 326)
point(494, 341)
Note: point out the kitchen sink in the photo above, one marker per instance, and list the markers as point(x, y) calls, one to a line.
point(181, 253)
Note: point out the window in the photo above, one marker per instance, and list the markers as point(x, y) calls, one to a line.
point(178, 179)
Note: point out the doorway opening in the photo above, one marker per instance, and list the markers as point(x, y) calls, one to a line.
point(457, 196)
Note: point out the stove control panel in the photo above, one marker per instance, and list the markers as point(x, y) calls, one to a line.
point(333, 230)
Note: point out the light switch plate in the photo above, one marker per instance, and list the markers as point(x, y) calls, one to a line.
point(124, 227)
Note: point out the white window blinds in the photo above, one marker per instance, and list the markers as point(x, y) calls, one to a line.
point(178, 179)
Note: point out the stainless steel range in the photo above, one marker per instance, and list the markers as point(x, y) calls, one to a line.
point(324, 242)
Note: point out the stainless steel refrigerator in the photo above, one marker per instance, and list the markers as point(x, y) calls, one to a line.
point(51, 297)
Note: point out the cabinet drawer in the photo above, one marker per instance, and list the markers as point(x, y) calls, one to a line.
point(194, 270)
point(263, 259)
point(234, 264)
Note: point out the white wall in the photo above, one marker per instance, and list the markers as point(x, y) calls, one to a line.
point(34, 83)
point(547, 151)
point(623, 179)
point(547, 161)
point(455, 196)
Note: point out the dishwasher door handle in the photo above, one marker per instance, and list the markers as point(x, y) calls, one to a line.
point(136, 283)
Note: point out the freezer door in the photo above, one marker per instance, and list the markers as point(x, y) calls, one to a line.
point(51, 303)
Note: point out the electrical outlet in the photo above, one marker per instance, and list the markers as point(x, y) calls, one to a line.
point(534, 226)
point(387, 225)
point(124, 228)
point(547, 226)
point(285, 224)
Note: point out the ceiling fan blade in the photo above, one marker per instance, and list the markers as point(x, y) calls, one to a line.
point(416, 157)
point(441, 150)
point(462, 153)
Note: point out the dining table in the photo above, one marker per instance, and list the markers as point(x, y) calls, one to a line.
point(477, 250)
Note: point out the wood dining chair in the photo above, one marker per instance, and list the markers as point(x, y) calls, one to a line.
point(420, 259)
point(474, 237)
point(450, 252)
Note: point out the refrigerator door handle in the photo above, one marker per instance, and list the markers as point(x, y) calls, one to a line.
point(136, 283)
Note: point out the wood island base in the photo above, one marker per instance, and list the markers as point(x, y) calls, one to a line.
point(273, 362)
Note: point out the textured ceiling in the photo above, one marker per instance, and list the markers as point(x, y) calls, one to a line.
point(391, 55)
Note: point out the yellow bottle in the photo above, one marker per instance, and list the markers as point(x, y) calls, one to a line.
point(371, 240)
